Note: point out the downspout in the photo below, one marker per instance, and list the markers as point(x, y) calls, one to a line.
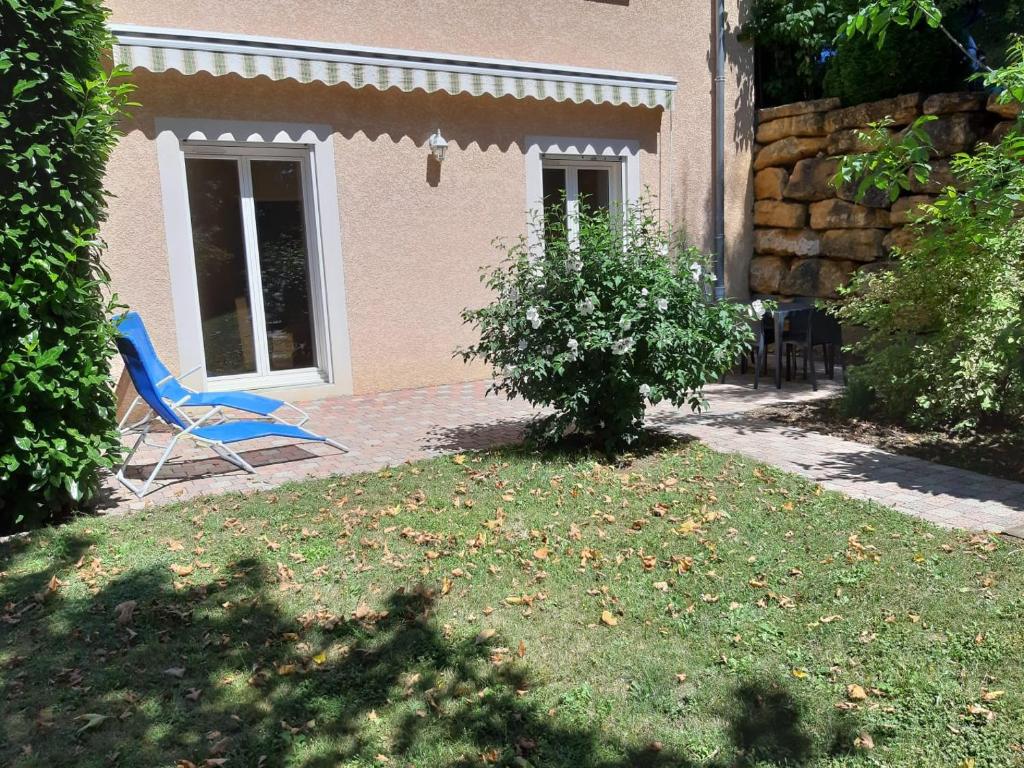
point(718, 146)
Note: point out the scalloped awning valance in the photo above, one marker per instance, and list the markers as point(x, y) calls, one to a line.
point(158, 50)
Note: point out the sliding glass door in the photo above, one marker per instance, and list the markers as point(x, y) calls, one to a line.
point(256, 271)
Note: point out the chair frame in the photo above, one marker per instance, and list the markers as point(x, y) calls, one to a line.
point(144, 426)
point(179, 407)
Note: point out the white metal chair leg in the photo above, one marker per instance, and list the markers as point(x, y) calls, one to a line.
point(339, 446)
point(140, 491)
point(124, 419)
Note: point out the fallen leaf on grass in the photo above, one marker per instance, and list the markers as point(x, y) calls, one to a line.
point(864, 741)
point(178, 672)
point(124, 611)
point(51, 588)
point(856, 692)
point(991, 695)
point(92, 720)
point(979, 711)
point(661, 586)
point(607, 619)
point(484, 636)
point(522, 649)
point(541, 554)
point(181, 570)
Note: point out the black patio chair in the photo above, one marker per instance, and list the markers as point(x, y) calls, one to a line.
point(809, 329)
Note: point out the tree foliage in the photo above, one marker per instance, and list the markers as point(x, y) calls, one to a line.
point(58, 109)
point(800, 56)
point(598, 324)
point(944, 341)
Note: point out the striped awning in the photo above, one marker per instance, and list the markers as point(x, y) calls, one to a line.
point(159, 50)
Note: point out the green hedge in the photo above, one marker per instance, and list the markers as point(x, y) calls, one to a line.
point(798, 58)
point(58, 110)
point(921, 60)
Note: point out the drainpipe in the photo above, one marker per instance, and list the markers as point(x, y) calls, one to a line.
point(718, 146)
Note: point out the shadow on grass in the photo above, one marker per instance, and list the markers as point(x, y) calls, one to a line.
point(213, 670)
point(510, 435)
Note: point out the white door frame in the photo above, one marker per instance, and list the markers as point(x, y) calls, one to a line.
point(177, 138)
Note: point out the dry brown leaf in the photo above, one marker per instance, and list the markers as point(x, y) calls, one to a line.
point(92, 720)
point(608, 619)
point(484, 635)
point(181, 570)
point(864, 741)
point(856, 692)
point(124, 611)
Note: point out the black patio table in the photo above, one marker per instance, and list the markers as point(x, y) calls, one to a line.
point(784, 311)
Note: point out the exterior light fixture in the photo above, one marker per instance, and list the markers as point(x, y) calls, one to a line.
point(438, 146)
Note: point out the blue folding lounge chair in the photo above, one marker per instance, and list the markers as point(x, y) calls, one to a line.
point(170, 388)
point(145, 372)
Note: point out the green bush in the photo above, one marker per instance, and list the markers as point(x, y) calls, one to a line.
point(944, 343)
point(921, 60)
point(58, 108)
point(798, 56)
point(597, 328)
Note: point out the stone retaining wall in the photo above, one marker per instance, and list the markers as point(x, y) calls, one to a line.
point(809, 237)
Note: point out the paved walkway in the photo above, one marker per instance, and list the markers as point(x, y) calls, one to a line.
point(394, 427)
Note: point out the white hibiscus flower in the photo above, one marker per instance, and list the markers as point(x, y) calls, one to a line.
point(534, 317)
point(623, 346)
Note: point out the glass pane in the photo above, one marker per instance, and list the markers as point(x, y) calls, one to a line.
point(214, 204)
point(554, 195)
point(284, 262)
point(594, 188)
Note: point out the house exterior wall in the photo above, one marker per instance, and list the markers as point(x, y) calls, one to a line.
point(413, 239)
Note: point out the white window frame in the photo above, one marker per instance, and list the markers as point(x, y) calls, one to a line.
point(621, 155)
point(178, 139)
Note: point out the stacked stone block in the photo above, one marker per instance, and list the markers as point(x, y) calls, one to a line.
point(810, 237)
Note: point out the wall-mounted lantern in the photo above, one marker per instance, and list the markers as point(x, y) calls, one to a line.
point(438, 146)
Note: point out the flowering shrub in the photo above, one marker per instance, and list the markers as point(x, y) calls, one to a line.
point(598, 322)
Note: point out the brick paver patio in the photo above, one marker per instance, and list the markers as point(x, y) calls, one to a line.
point(390, 428)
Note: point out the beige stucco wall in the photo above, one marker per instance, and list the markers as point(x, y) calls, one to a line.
point(412, 242)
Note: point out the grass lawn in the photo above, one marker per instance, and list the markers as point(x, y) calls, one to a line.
point(506, 608)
